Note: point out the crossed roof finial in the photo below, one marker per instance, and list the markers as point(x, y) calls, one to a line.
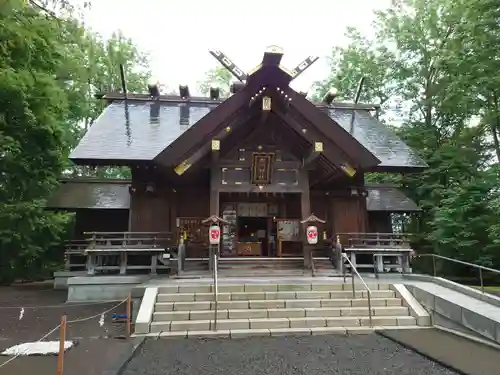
point(272, 54)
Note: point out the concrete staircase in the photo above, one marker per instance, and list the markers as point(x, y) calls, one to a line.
point(273, 309)
point(261, 266)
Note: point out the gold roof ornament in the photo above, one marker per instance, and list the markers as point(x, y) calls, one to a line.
point(274, 49)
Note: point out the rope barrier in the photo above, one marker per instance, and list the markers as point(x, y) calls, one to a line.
point(101, 323)
point(58, 306)
point(17, 355)
point(98, 315)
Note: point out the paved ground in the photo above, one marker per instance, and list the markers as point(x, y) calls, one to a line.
point(93, 354)
point(354, 355)
point(464, 355)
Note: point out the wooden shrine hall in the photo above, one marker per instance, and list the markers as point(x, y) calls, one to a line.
point(264, 160)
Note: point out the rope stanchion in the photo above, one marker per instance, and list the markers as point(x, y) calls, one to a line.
point(129, 317)
point(62, 343)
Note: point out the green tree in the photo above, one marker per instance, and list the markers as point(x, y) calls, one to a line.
point(98, 71)
point(34, 108)
point(426, 55)
point(218, 77)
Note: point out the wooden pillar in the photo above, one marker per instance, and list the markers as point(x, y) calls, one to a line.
point(305, 206)
point(215, 180)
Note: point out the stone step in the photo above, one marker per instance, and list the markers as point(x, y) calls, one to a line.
point(262, 272)
point(228, 288)
point(163, 316)
point(248, 296)
point(281, 323)
point(239, 333)
point(275, 304)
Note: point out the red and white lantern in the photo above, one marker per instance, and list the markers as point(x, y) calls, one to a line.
point(312, 235)
point(214, 235)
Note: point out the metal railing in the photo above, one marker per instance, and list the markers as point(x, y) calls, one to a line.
point(480, 268)
point(368, 290)
point(216, 288)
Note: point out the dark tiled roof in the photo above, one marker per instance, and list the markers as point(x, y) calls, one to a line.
point(388, 198)
point(137, 131)
point(377, 138)
point(143, 129)
point(97, 195)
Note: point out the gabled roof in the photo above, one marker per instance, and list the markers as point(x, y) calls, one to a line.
point(111, 141)
point(170, 130)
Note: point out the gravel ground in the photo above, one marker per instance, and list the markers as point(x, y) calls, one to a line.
point(98, 348)
point(352, 355)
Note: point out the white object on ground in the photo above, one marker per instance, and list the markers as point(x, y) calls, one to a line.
point(37, 348)
point(101, 320)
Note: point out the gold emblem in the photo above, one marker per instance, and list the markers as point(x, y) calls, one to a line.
point(215, 145)
point(318, 146)
point(266, 103)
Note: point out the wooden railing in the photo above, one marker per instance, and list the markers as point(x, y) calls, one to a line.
point(100, 248)
point(130, 240)
point(375, 240)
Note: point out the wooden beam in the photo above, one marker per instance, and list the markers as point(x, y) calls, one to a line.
point(229, 65)
point(334, 156)
point(314, 154)
point(215, 180)
point(249, 188)
point(272, 56)
point(205, 149)
point(206, 126)
point(335, 133)
point(226, 163)
point(302, 66)
point(305, 206)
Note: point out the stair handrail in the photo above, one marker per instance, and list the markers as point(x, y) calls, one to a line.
point(216, 289)
point(481, 268)
point(368, 290)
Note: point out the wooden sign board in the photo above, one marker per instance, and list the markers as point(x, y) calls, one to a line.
point(288, 230)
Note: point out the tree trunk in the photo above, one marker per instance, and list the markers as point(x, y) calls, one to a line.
point(495, 125)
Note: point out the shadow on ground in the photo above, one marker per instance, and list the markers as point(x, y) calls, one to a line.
point(97, 348)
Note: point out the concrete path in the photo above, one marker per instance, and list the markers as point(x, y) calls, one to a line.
point(483, 308)
point(461, 354)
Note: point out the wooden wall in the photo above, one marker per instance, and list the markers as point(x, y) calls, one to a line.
point(158, 212)
point(343, 213)
point(95, 220)
point(379, 222)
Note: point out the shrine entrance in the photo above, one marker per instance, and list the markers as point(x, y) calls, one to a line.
point(261, 225)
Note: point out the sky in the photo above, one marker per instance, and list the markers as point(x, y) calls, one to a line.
point(178, 35)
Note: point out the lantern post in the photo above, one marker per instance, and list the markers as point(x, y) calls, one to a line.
point(312, 234)
point(214, 234)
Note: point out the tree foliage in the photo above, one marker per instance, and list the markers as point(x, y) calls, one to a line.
point(50, 69)
point(434, 66)
point(217, 77)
